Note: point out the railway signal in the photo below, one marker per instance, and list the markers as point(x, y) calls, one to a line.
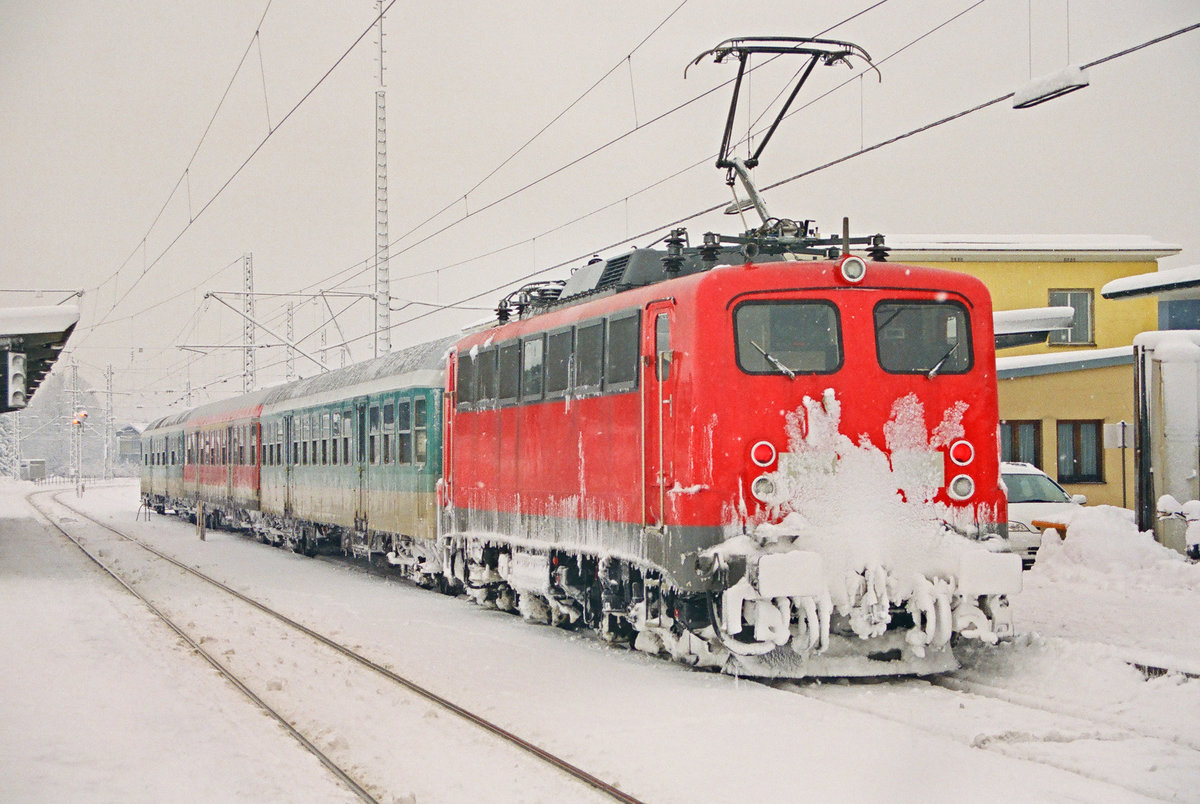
point(15, 390)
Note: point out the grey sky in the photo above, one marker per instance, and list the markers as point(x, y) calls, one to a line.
point(104, 104)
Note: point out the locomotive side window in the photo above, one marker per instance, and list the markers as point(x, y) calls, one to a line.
point(662, 347)
point(510, 372)
point(404, 431)
point(621, 353)
point(485, 365)
point(589, 357)
point(558, 363)
point(532, 351)
point(923, 337)
point(788, 337)
point(465, 384)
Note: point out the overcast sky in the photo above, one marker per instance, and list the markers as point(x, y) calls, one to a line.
point(105, 103)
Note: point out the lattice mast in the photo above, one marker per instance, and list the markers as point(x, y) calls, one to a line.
point(383, 293)
point(249, 381)
point(110, 429)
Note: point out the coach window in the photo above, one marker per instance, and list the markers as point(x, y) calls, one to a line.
point(531, 368)
point(558, 363)
point(788, 337)
point(589, 357)
point(485, 364)
point(347, 432)
point(224, 436)
point(316, 438)
point(465, 381)
point(389, 426)
point(923, 337)
point(420, 434)
point(305, 436)
point(335, 436)
point(404, 430)
point(510, 373)
point(373, 441)
point(325, 439)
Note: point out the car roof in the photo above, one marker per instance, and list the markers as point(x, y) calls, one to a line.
point(1017, 468)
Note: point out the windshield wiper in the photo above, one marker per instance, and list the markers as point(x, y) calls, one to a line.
point(774, 361)
point(938, 365)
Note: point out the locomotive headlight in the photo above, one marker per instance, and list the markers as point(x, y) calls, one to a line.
point(763, 488)
point(961, 487)
point(962, 452)
point(763, 454)
point(853, 270)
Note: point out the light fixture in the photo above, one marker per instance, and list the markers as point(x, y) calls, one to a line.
point(1049, 87)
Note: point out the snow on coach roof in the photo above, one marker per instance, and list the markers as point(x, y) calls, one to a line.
point(1000, 248)
point(417, 365)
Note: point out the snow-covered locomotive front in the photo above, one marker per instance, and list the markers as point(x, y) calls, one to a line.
point(766, 467)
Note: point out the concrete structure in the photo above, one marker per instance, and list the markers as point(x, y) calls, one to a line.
point(1056, 397)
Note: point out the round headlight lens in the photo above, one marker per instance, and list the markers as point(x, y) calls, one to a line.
point(763, 454)
point(763, 488)
point(961, 487)
point(853, 270)
point(962, 452)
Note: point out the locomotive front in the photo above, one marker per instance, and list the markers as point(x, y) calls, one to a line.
point(841, 435)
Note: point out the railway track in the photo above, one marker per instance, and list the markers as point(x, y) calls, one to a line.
point(359, 788)
point(1140, 759)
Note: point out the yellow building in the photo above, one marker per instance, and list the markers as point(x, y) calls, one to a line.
point(1056, 397)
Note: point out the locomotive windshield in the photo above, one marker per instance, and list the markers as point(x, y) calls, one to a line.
point(923, 337)
point(788, 337)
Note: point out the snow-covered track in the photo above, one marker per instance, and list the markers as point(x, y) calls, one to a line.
point(228, 675)
point(1141, 761)
point(348, 653)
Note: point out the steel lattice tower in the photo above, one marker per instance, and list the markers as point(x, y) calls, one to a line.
point(248, 378)
point(383, 293)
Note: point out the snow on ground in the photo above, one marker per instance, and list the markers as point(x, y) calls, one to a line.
point(659, 731)
point(101, 702)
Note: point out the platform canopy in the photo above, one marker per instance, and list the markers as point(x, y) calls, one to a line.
point(37, 333)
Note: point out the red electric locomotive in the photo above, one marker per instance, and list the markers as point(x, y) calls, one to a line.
point(759, 454)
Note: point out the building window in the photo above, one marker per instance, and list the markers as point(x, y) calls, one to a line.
point(1082, 329)
point(1021, 441)
point(1079, 452)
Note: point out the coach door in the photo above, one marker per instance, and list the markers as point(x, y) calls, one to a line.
point(360, 455)
point(658, 409)
point(289, 458)
point(228, 452)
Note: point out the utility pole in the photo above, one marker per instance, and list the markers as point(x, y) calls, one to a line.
point(383, 293)
point(248, 379)
point(110, 429)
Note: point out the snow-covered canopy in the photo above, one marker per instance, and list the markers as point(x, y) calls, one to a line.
point(1152, 283)
point(39, 333)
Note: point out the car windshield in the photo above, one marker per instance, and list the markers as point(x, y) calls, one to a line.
point(1034, 488)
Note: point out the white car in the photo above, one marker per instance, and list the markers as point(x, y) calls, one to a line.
point(1032, 495)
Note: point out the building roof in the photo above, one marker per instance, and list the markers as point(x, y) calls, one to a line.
point(1026, 248)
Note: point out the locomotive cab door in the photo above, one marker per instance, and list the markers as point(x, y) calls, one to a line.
point(659, 377)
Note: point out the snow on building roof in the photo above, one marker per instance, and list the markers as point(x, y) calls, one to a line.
point(1152, 283)
point(37, 320)
point(999, 248)
point(1008, 368)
